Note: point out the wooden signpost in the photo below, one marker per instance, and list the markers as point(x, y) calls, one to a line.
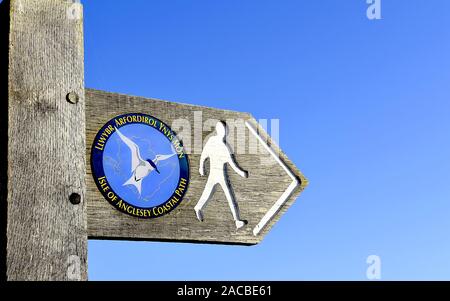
point(271, 174)
point(76, 164)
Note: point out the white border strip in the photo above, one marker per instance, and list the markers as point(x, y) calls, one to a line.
point(285, 196)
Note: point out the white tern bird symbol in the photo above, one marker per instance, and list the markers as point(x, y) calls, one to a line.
point(139, 167)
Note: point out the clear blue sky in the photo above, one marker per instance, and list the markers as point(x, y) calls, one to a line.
point(365, 114)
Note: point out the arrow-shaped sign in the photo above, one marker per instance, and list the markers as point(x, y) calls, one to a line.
point(165, 171)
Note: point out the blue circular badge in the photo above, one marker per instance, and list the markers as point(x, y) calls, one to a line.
point(139, 165)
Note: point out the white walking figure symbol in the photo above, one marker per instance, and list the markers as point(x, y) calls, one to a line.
point(219, 154)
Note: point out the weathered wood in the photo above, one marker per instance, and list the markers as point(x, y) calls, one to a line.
point(46, 234)
point(255, 195)
point(4, 45)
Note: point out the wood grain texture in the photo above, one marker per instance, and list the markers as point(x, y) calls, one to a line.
point(46, 234)
point(4, 46)
point(255, 195)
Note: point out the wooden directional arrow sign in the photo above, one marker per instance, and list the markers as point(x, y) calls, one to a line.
point(246, 186)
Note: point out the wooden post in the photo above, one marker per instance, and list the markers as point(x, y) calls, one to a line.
point(43, 163)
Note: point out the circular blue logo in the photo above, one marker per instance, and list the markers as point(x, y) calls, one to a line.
point(139, 165)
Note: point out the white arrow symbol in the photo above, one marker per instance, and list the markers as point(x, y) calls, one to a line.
point(285, 196)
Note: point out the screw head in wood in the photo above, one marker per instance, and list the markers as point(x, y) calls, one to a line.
point(73, 98)
point(75, 199)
